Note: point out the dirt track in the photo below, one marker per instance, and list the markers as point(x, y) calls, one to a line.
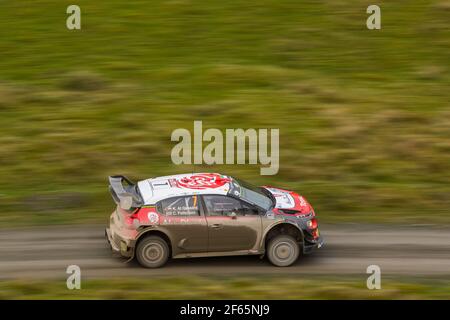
point(46, 253)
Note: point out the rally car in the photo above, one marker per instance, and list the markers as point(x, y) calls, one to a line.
point(208, 214)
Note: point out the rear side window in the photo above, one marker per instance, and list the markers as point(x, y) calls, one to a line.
point(179, 206)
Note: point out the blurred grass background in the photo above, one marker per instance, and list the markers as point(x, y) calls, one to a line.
point(238, 287)
point(364, 116)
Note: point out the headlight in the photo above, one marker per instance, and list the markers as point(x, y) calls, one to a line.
point(311, 224)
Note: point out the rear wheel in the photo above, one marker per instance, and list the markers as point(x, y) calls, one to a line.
point(152, 252)
point(283, 250)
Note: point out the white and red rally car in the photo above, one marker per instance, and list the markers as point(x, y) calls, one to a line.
point(208, 214)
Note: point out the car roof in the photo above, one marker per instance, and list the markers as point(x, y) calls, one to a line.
point(159, 188)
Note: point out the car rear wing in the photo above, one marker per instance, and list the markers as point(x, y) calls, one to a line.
point(125, 193)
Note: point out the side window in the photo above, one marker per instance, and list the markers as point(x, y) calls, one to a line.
point(222, 205)
point(248, 210)
point(179, 206)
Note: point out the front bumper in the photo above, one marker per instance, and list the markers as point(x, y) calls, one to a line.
point(309, 247)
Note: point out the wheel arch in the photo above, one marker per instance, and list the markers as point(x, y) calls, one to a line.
point(283, 227)
point(154, 232)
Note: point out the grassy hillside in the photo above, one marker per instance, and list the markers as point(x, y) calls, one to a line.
point(364, 116)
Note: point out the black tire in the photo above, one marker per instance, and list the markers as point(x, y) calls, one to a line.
point(283, 250)
point(152, 252)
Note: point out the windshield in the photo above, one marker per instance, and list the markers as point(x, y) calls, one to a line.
point(254, 195)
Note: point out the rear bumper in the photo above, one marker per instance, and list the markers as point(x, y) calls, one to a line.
point(110, 240)
point(118, 244)
point(310, 247)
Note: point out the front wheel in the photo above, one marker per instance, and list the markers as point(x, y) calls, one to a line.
point(283, 251)
point(152, 252)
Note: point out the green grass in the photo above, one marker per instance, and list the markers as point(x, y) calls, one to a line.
point(364, 115)
point(240, 287)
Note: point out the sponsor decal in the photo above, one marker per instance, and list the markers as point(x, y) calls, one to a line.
point(153, 217)
point(303, 203)
point(202, 181)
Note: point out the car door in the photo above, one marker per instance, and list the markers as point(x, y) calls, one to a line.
point(184, 219)
point(232, 224)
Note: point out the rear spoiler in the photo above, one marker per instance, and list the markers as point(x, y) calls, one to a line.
point(124, 192)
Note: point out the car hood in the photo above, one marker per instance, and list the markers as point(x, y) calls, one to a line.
point(289, 200)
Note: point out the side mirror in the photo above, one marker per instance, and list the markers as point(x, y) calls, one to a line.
point(126, 203)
